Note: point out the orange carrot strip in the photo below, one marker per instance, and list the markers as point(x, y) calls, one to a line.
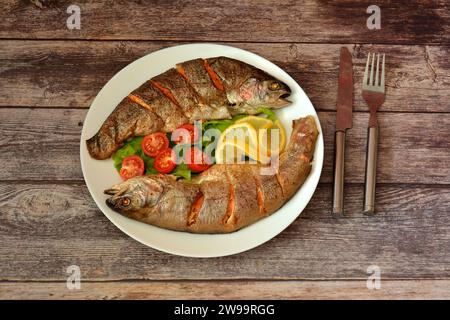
point(195, 208)
point(214, 77)
point(280, 182)
point(181, 71)
point(140, 102)
point(259, 196)
point(165, 91)
point(229, 215)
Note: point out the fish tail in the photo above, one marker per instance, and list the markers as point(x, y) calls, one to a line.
point(128, 119)
point(94, 146)
point(296, 162)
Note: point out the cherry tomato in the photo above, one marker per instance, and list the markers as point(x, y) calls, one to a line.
point(179, 136)
point(197, 160)
point(155, 143)
point(132, 166)
point(165, 161)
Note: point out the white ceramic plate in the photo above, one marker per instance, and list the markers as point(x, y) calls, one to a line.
point(99, 175)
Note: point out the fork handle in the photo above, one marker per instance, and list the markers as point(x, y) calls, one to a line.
point(338, 187)
point(371, 170)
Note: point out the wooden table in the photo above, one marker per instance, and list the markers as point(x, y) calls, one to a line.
point(49, 76)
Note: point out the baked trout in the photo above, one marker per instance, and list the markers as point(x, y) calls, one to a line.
point(200, 89)
point(222, 199)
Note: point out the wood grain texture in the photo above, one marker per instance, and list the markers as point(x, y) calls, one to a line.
point(47, 227)
point(414, 148)
point(334, 21)
point(70, 73)
point(236, 290)
point(48, 220)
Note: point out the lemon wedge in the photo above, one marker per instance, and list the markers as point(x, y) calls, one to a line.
point(240, 132)
point(234, 153)
point(256, 122)
point(237, 141)
point(253, 137)
point(273, 140)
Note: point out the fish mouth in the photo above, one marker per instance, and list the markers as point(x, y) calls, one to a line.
point(110, 203)
point(282, 101)
point(115, 192)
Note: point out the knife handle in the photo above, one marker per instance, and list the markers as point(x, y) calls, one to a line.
point(371, 170)
point(338, 188)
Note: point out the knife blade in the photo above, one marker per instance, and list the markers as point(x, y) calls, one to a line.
point(344, 113)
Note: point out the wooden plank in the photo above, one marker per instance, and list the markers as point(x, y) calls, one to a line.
point(414, 148)
point(46, 227)
point(43, 143)
point(70, 73)
point(226, 20)
point(254, 290)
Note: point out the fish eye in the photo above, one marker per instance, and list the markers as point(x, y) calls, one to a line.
point(274, 86)
point(125, 202)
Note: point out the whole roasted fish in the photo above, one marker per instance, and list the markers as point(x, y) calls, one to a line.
point(222, 199)
point(200, 89)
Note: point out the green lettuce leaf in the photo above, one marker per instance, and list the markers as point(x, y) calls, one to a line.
point(119, 155)
point(268, 112)
point(220, 125)
point(238, 116)
point(130, 148)
point(183, 171)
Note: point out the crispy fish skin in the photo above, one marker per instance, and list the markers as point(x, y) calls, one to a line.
point(200, 89)
point(170, 113)
point(195, 73)
point(233, 72)
point(223, 199)
point(194, 106)
point(129, 119)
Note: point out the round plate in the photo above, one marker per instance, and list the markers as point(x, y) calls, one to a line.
point(99, 175)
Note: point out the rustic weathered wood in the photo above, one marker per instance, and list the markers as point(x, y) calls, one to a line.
point(48, 220)
point(70, 73)
point(390, 290)
point(46, 227)
point(335, 21)
point(414, 148)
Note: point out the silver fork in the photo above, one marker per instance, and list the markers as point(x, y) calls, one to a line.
point(373, 92)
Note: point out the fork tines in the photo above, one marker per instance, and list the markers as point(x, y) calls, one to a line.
point(369, 83)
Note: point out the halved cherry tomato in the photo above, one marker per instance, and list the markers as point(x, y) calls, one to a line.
point(197, 160)
point(165, 161)
point(180, 135)
point(132, 166)
point(155, 143)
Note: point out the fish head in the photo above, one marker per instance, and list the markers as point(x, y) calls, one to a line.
point(134, 194)
point(257, 92)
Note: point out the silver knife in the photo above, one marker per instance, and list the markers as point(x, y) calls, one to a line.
point(343, 122)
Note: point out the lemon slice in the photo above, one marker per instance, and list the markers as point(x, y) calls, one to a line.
point(240, 133)
point(273, 140)
point(234, 153)
point(236, 142)
point(256, 122)
point(242, 140)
